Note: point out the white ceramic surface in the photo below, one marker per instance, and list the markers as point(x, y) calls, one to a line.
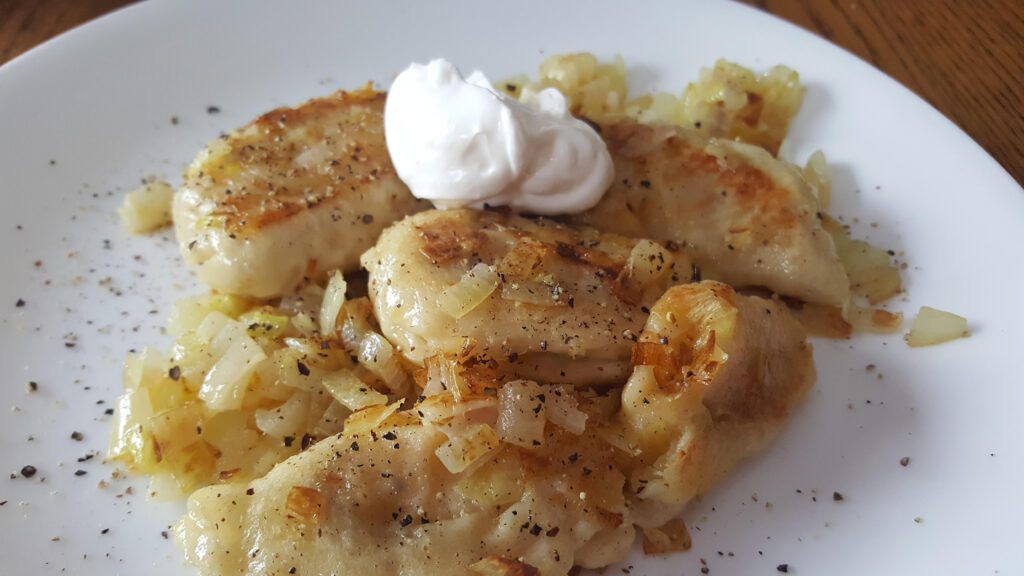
point(85, 116)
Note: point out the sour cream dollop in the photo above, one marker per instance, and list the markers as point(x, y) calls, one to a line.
point(458, 142)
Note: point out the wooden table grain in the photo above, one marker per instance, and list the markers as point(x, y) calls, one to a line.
point(964, 57)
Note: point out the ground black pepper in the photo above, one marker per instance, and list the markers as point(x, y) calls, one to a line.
point(28, 471)
point(782, 568)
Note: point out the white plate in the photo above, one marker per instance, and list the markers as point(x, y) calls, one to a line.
point(85, 116)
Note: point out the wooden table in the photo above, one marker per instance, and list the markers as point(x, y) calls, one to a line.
point(966, 57)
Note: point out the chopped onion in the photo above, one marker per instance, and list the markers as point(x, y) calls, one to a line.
point(225, 383)
point(288, 419)
point(355, 322)
point(352, 392)
point(307, 299)
point(824, 320)
point(304, 323)
point(442, 408)
point(443, 375)
point(147, 208)
point(127, 439)
point(469, 292)
point(334, 299)
point(212, 325)
point(669, 538)
point(871, 271)
point(648, 263)
point(263, 324)
point(562, 410)
point(467, 446)
point(367, 419)
point(186, 315)
point(932, 326)
point(378, 356)
point(818, 174)
point(304, 503)
point(872, 320)
point(521, 413)
point(149, 366)
point(332, 421)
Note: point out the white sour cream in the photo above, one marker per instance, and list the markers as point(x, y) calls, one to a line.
point(458, 142)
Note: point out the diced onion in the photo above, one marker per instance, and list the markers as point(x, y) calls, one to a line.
point(225, 383)
point(932, 326)
point(467, 446)
point(872, 274)
point(443, 375)
point(263, 324)
point(355, 323)
point(127, 440)
point(352, 392)
point(378, 356)
point(872, 320)
point(672, 537)
point(469, 292)
point(212, 325)
point(304, 503)
point(648, 263)
point(288, 419)
point(186, 315)
point(304, 323)
point(147, 366)
point(147, 208)
point(562, 410)
point(334, 299)
point(442, 408)
point(332, 421)
point(521, 413)
point(363, 421)
point(819, 176)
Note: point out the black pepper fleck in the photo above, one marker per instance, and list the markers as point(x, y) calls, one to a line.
point(782, 568)
point(76, 436)
point(837, 497)
point(303, 369)
point(28, 471)
point(174, 373)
